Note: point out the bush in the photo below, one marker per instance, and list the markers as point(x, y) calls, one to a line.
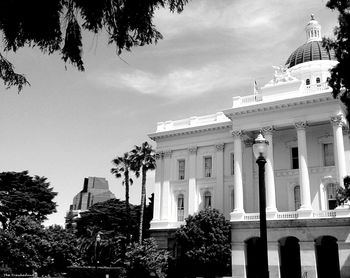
point(146, 260)
point(204, 245)
point(92, 272)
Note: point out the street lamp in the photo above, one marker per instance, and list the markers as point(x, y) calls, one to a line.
point(260, 149)
point(97, 242)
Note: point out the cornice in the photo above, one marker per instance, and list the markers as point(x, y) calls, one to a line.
point(278, 105)
point(190, 131)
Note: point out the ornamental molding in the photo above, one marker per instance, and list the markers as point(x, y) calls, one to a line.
point(220, 147)
point(159, 155)
point(206, 181)
point(167, 153)
point(337, 120)
point(184, 132)
point(192, 149)
point(273, 106)
point(267, 130)
point(300, 125)
point(237, 133)
point(179, 183)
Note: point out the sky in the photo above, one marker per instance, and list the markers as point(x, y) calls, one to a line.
point(69, 125)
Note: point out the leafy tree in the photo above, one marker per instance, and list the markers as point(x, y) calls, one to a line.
point(26, 246)
point(204, 243)
point(123, 166)
point(146, 260)
point(343, 194)
point(340, 77)
point(56, 26)
point(143, 158)
point(23, 195)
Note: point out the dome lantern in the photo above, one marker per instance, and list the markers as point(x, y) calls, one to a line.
point(313, 30)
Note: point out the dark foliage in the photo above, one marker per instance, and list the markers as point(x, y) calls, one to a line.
point(204, 245)
point(23, 195)
point(56, 26)
point(92, 272)
point(343, 194)
point(340, 74)
point(26, 246)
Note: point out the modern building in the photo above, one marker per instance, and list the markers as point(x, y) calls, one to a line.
point(208, 161)
point(95, 190)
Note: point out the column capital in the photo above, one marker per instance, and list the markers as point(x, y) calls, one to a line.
point(159, 155)
point(267, 130)
point(300, 125)
point(249, 142)
point(192, 149)
point(337, 120)
point(220, 147)
point(237, 133)
point(167, 153)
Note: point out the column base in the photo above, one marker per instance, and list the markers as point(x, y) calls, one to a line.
point(237, 215)
point(304, 213)
point(271, 214)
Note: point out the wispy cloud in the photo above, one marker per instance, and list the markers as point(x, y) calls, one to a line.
point(181, 82)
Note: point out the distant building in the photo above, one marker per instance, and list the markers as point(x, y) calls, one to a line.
point(95, 190)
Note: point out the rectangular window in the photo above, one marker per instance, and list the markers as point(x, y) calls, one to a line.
point(295, 158)
point(328, 154)
point(181, 169)
point(232, 164)
point(207, 166)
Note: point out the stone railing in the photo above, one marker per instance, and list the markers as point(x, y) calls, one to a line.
point(284, 215)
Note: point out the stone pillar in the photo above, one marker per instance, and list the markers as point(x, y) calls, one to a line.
point(304, 180)
point(337, 123)
point(192, 185)
point(238, 210)
point(166, 201)
point(250, 196)
point(157, 186)
point(346, 148)
point(269, 172)
point(219, 189)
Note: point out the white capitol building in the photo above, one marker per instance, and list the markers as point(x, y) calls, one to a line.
point(208, 161)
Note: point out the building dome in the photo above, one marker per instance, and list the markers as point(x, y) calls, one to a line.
point(312, 50)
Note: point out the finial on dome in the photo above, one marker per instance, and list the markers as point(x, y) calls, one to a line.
point(312, 17)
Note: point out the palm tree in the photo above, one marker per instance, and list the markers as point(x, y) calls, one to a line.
point(123, 167)
point(143, 159)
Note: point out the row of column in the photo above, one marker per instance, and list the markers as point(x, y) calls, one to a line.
point(162, 183)
point(304, 180)
point(162, 198)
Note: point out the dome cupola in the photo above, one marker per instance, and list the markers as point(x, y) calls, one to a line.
point(312, 50)
point(313, 30)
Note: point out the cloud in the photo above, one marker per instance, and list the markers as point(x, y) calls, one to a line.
point(178, 83)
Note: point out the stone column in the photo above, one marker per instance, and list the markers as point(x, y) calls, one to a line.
point(166, 200)
point(337, 123)
point(219, 189)
point(346, 148)
point(157, 186)
point(304, 179)
point(192, 185)
point(238, 210)
point(269, 172)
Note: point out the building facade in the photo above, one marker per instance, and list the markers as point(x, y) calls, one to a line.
point(208, 161)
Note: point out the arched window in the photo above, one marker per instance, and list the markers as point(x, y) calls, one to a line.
point(297, 202)
point(207, 200)
point(318, 80)
point(307, 82)
point(180, 207)
point(331, 195)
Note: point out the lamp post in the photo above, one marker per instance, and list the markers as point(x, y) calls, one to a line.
point(97, 242)
point(260, 149)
